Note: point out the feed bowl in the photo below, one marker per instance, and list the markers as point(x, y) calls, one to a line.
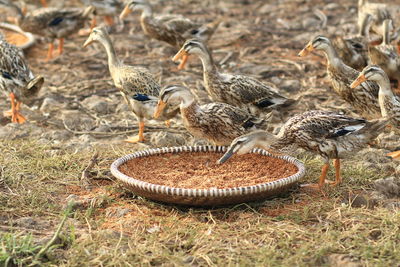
point(14, 35)
point(209, 195)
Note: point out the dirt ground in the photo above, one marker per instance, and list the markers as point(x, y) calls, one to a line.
point(79, 111)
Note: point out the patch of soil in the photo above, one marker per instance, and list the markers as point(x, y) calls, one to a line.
point(200, 170)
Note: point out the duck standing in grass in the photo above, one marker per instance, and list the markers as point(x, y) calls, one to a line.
point(172, 29)
point(238, 90)
point(136, 84)
point(364, 97)
point(218, 123)
point(16, 80)
point(389, 103)
point(52, 23)
point(329, 134)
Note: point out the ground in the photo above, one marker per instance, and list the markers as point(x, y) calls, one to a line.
point(79, 113)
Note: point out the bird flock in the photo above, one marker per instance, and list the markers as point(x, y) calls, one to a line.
point(360, 67)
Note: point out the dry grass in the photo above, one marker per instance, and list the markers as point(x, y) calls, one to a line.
point(300, 228)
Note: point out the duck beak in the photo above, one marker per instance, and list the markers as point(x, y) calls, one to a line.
point(228, 154)
point(360, 79)
point(182, 54)
point(125, 12)
point(160, 107)
point(306, 50)
point(88, 41)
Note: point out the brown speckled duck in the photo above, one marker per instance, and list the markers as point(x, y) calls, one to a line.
point(218, 123)
point(363, 98)
point(16, 79)
point(238, 90)
point(328, 134)
point(172, 29)
point(52, 23)
point(389, 103)
point(136, 84)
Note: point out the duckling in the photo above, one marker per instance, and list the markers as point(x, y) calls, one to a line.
point(136, 84)
point(353, 50)
point(16, 79)
point(363, 98)
point(52, 23)
point(328, 134)
point(219, 123)
point(379, 12)
point(237, 90)
point(172, 29)
point(386, 56)
point(389, 103)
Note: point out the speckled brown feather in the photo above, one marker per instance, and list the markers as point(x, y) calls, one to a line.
point(15, 75)
point(218, 122)
point(325, 133)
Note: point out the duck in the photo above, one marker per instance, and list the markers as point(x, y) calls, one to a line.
point(363, 98)
point(218, 123)
point(17, 80)
point(237, 90)
point(378, 11)
point(353, 50)
point(388, 101)
point(329, 134)
point(386, 56)
point(52, 23)
point(137, 85)
point(172, 29)
point(106, 8)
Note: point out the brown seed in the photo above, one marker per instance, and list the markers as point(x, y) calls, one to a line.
point(200, 171)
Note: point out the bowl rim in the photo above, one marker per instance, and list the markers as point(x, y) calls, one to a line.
point(211, 192)
point(15, 28)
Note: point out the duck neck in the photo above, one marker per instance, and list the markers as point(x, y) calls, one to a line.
point(207, 61)
point(365, 26)
point(384, 86)
point(386, 32)
point(113, 60)
point(362, 2)
point(147, 12)
point(332, 57)
point(186, 98)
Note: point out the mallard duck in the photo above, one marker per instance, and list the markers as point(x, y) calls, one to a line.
point(386, 56)
point(106, 8)
point(237, 90)
point(52, 23)
point(172, 29)
point(363, 98)
point(379, 13)
point(353, 50)
point(389, 103)
point(219, 123)
point(16, 79)
point(137, 85)
point(329, 134)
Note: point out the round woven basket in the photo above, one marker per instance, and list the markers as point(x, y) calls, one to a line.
point(205, 197)
point(14, 28)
